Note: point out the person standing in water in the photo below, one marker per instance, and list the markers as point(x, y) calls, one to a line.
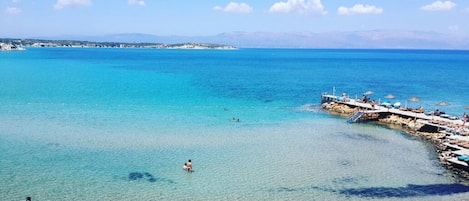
point(184, 167)
point(189, 164)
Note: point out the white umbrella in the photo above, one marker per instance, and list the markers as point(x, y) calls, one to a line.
point(389, 96)
point(412, 99)
point(368, 93)
point(442, 103)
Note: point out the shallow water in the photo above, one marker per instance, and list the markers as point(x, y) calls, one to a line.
point(117, 124)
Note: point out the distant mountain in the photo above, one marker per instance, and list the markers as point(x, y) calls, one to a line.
point(355, 39)
point(362, 39)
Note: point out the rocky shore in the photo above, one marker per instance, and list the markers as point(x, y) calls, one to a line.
point(410, 126)
point(9, 47)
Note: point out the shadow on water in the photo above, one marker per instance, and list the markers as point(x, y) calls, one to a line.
point(359, 136)
point(410, 190)
point(136, 176)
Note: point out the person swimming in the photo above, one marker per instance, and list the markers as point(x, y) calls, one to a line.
point(189, 163)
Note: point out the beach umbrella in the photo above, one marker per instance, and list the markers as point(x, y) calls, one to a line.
point(389, 96)
point(442, 103)
point(368, 93)
point(386, 103)
point(412, 99)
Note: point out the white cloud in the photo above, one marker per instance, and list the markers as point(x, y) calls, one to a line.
point(70, 3)
point(359, 9)
point(299, 6)
point(439, 6)
point(12, 10)
point(234, 7)
point(137, 2)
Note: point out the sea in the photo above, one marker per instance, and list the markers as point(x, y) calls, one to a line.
point(118, 124)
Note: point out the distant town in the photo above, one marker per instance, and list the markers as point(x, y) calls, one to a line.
point(22, 44)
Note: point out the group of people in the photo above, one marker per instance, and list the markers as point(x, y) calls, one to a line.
point(365, 99)
point(187, 166)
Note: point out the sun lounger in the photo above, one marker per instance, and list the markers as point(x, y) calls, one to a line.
point(463, 157)
point(404, 109)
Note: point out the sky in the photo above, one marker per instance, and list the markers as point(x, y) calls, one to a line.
point(32, 18)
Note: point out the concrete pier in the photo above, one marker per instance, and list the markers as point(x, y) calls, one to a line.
point(452, 136)
point(369, 108)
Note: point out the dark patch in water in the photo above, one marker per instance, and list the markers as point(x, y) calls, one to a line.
point(359, 136)
point(347, 180)
point(268, 101)
point(286, 189)
point(299, 189)
point(410, 190)
point(345, 162)
point(133, 176)
point(136, 176)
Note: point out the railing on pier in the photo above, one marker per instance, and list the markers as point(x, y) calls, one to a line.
point(355, 117)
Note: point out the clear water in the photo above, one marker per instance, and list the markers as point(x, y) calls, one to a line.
point(79, 124)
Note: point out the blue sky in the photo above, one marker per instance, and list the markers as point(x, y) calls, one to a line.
point(29, 18)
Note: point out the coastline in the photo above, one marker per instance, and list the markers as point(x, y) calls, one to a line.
point(445, 142)
point(20, 44)
point(10, 47)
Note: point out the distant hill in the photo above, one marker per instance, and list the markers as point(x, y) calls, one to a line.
point(362, 39)
point(356, 39)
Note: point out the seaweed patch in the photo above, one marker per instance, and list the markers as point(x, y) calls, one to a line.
point(134, 176)
point(407, 191)
point(146, 176)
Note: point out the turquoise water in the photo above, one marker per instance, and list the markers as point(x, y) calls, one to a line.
point(79, 124)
